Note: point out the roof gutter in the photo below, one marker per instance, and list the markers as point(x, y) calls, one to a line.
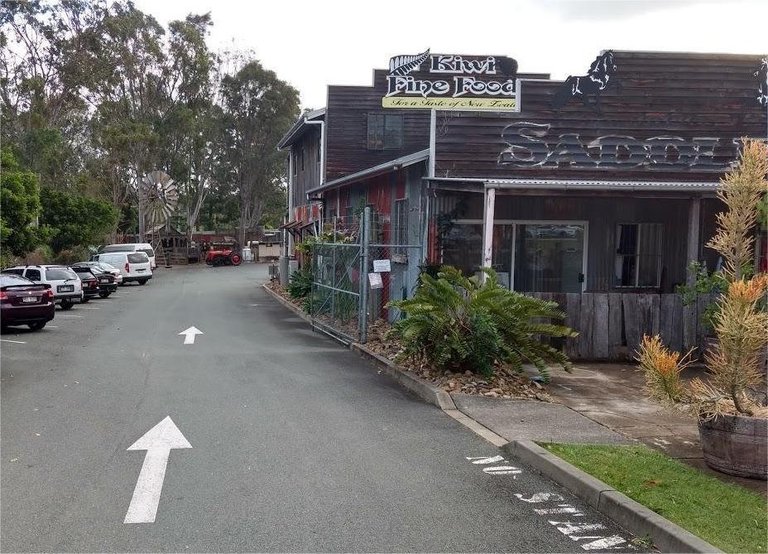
point(591, 185)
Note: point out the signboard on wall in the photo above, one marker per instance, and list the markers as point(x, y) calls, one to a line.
point(451, 82)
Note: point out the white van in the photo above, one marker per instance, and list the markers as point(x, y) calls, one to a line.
point(134, 266)
point(132, 247)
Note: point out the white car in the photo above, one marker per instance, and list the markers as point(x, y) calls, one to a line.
point(132, 247)
point(107, 268)
point(65, 284)
point(134, 266)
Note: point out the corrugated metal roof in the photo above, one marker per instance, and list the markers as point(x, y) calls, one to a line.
point(386, 167)
point(298, 128)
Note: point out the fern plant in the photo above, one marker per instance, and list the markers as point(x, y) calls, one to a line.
point(300, 283)
point(455, 323)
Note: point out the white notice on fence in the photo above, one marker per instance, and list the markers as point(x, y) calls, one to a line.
point(382, 266)
point(375, 280)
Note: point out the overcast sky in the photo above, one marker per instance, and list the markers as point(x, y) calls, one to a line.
point(312, 44)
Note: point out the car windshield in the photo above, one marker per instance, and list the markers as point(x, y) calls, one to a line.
point(148, 251)
point(112, 259)
point(13, 271)
point(10, 279)
point(138, 258)
point(59, 274)
point(118, 248)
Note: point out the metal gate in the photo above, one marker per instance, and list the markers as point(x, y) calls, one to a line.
point(354, 280)
point(335, 297)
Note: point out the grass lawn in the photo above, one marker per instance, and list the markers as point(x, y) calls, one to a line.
point(727, 516)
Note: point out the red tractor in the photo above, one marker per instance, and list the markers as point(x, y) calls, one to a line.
point(223, 253)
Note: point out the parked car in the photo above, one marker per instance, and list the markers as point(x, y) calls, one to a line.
point(64, 282)
point(132, 247)
point(105, 267)
point(89, 281)
point(23, 302)
point(134, 266)
point(107, 281)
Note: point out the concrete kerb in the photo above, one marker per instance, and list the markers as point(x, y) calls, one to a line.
point(421, 388)
point(287, 304)
point(631, 515)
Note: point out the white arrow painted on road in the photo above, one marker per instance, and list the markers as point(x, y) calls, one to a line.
point(189, 334)
point(158, 443)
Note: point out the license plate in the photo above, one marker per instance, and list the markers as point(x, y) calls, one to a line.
point(30, 299)
point(103, 280)
point(66, 288)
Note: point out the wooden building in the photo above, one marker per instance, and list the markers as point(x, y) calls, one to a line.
point(596, 192)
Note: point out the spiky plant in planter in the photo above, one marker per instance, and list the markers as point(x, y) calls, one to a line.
point(731, 404)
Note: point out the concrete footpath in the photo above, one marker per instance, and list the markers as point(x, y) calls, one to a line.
point(595, 404)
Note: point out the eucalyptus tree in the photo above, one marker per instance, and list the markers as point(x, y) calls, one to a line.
point(191, 129)
point(41, 77)
point(126, 58)
point(259, 108)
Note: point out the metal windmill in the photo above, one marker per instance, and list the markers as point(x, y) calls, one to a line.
point(158, 198)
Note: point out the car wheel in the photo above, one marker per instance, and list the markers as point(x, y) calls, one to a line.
point(36, 326)
point(104, 294)
point(85, 299)
point(66, 304)
point(235, 258)
point(143, 282)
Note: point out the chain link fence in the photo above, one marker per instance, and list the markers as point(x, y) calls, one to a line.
point(335, 296)
point(354, 277)
point(392, 274)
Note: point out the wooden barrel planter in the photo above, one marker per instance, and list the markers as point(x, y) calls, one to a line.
point(736, 445)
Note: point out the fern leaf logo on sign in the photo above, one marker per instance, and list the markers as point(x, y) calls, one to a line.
point(403, 65)
point(451, 82)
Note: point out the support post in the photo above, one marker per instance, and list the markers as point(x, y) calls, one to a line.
point(488, 214)
point(690, 313)
point(365, 236)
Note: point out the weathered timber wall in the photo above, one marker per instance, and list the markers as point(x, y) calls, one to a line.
point(611, 325)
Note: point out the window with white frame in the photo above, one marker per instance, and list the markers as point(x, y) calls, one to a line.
point(638, 255)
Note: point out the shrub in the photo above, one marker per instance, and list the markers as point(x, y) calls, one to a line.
point(40, 255)
point(455, 323)
point(300, 283)
point(72, 255)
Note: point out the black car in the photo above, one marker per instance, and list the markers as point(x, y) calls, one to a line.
point(105, 282)
point(23, 302)
point(89, 280)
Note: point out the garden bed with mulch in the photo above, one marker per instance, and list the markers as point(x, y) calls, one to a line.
point(505, 383)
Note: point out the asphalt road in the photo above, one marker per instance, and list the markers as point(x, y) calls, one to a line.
point(298, 444)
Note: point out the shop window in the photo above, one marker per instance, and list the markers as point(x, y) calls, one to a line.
point(462, 247)
point(385, 132)
point(638, 255)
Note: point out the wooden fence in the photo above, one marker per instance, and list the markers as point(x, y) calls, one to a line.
point(611, 325)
